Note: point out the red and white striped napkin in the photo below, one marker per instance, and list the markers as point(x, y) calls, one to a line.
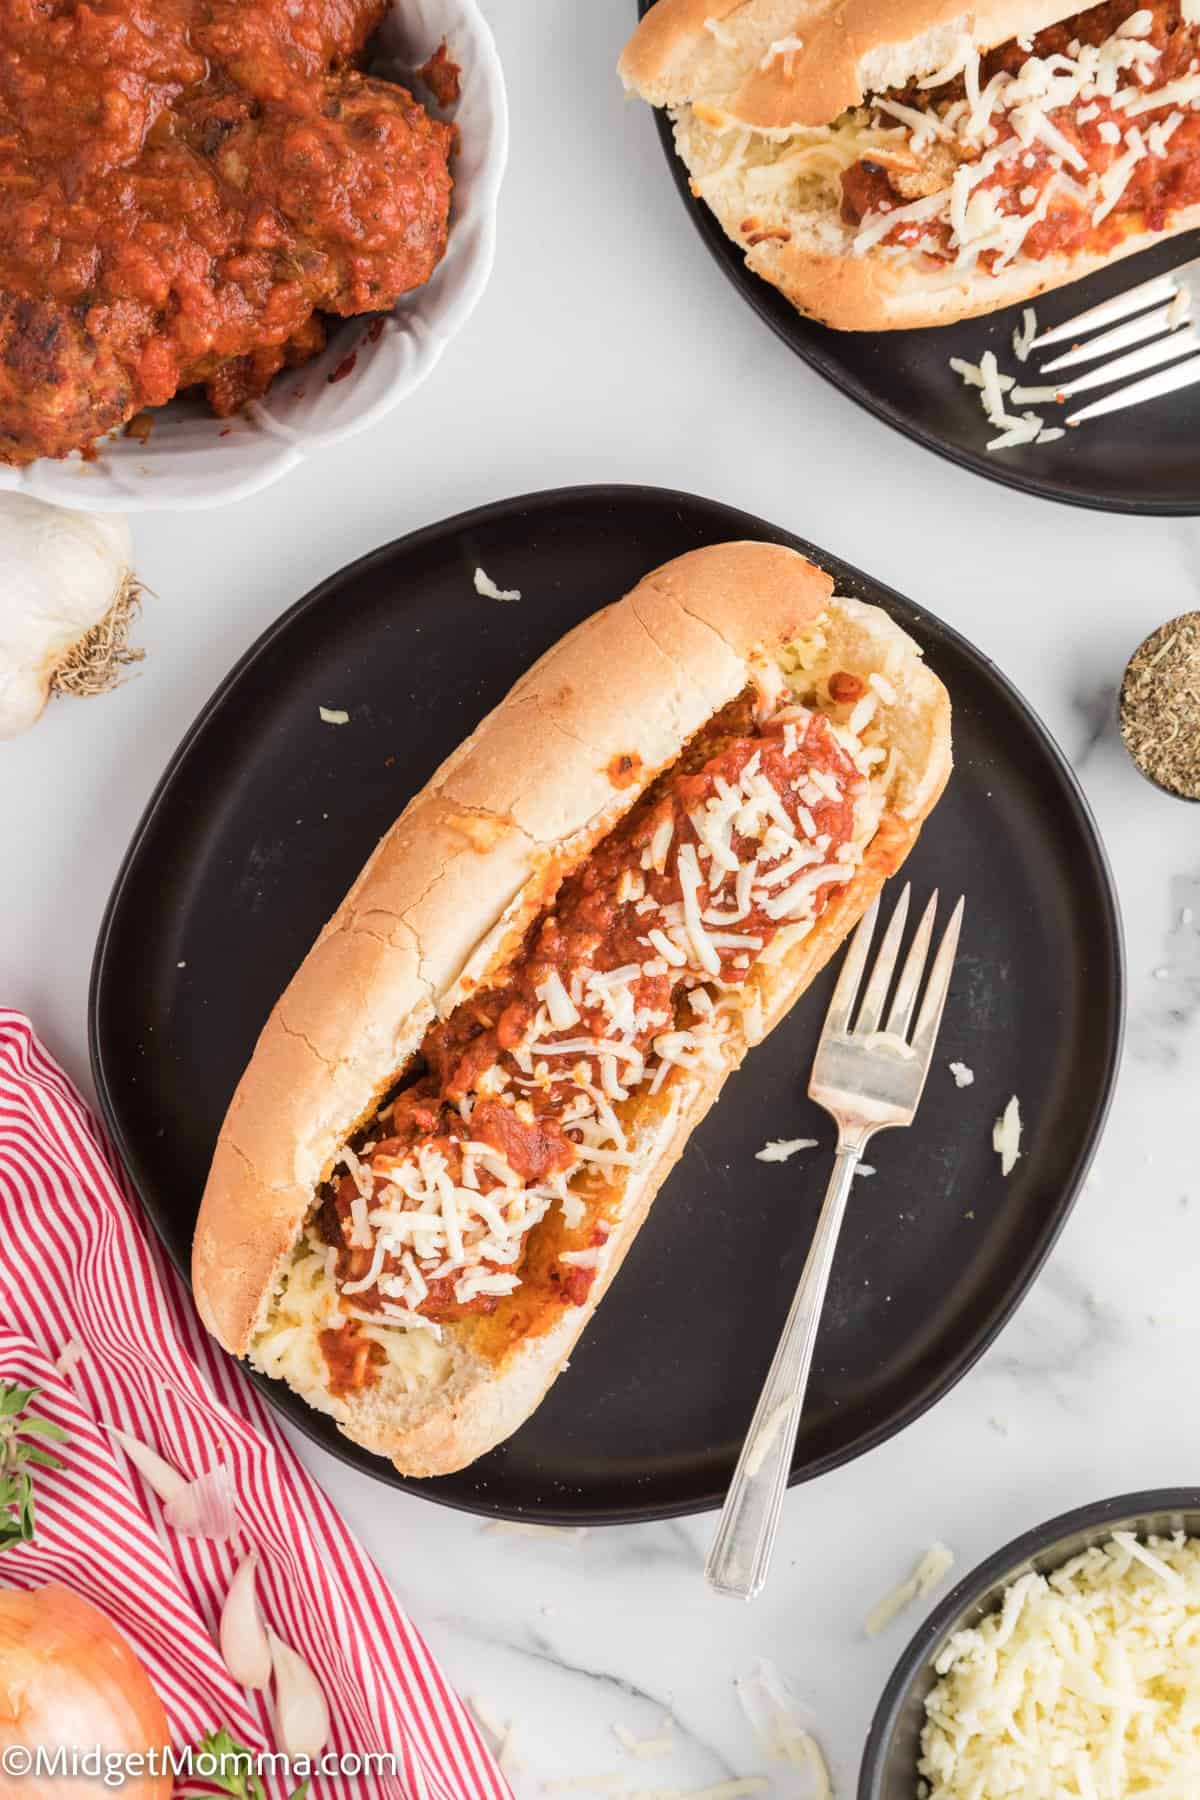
point(76, 1264)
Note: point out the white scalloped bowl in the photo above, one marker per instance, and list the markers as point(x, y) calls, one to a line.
point(193, 460)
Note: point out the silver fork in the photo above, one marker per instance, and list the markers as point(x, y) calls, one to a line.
point(868, 1079)
point(1169, 306)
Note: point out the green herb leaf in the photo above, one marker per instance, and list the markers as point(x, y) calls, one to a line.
point(242, 1783)
point(18, 1457)
point(43, 1458)
point(35, 1427)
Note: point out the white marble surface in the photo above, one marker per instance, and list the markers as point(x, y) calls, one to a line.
point(608, 348)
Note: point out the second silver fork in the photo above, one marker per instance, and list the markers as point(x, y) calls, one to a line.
point(1166, 331)
point(867, 1079)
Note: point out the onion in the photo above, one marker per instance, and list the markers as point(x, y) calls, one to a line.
point(69, 1679)
point(244, 1642)
point(67, 599)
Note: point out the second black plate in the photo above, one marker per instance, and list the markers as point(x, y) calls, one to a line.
point(266, 814)
point(1140, 461)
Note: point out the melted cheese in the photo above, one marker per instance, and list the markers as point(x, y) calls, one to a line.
point(288, 1346)
point(422, 1224)
point(771, 175)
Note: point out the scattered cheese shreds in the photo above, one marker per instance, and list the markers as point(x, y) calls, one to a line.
point(963, 1076)
point(1091, 1672)
point(506, 1752)
point(334, 715)
point(721, 33)
point(642, 1747)
point(777, 1150)
point(933, 1567)
point(771, 1709)
point(487, 587)
point(1014, 429)
point(1023, 336)
point(486, 1717)
point(1006, 1137)
point(585, 1784)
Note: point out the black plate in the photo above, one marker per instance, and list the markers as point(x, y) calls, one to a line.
point(889, 1764)
point(264, 816)
point(1143, 460)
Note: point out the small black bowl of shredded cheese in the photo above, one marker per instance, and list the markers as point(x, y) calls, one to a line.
point(1067, 1663)
point(1160, 707)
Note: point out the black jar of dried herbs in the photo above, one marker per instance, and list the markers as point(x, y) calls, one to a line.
point(1160, 706)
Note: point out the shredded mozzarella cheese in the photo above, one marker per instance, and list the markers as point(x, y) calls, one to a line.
point(777, 1150)
point(989, 132)
point(487, 587)
point(1006, 1137)
point(1088, 1678)
point(932, 1569)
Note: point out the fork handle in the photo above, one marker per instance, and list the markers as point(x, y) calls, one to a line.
point(741, 1550)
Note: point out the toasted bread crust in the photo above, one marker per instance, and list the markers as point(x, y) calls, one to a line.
point(686, 50)
point(817, 271)
point(717, 52)
point(525, 795)
point(886, 294)
point(356, 1009)
point(879, 293)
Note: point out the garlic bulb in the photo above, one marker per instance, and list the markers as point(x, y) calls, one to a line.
point(67, 594)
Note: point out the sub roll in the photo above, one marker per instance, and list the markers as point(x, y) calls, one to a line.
point(890, 163)
point(460, 1111)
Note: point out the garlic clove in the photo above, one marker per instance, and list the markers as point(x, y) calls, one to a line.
point(206, 1507)
point(166, 1481)
point(301, 1711)
point(71, 1353)
point(243, 1636)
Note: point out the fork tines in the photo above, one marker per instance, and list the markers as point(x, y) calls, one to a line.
point(1164, 331)
point(899, 1017)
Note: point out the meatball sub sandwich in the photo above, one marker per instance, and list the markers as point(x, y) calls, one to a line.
point(894, 163)
point(461, 1109)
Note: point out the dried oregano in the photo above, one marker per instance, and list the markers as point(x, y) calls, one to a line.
point(1160, 706)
